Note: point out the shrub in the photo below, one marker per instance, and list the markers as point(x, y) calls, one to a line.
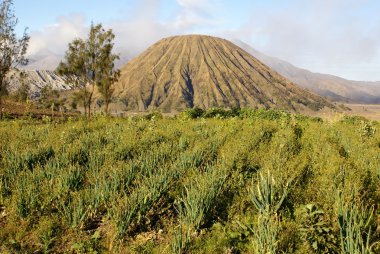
point(316, 231)
point(216, 113)
point(154, 115)
point(192, 113)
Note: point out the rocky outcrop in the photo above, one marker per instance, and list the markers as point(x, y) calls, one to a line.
point(37, 79)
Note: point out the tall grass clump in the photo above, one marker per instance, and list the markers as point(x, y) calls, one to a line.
point(135, 206)
point(267, 198)
point(74, 211)
point(181, 240)
point(354, 221)
point(198, 197)
point(27, 195)
point(194, 204)
point(269, 194)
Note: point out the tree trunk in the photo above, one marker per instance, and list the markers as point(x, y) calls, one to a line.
point(83, 97)
point(106, 109)
point(84, 105)
point(90, 99)
point(1, 98)
point(1, 106)
point(89, 105)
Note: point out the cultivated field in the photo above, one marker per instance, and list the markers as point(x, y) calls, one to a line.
point(229, 182)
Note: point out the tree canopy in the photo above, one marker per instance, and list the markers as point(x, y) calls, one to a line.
point(89, 63)
point(12, 48)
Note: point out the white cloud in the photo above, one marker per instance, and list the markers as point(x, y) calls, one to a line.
point(57, 36)
point(195, 13)
point(323, 36)
point(133, 35)
point(315, 35)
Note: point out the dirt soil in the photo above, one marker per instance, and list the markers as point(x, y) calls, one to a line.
point(369, 111)
point(14, 109)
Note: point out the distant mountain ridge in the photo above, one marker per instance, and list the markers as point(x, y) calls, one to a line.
point(37, 79)
point(330, 86)
point(202, 71)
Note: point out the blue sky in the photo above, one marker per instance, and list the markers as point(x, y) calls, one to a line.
point(340, 37)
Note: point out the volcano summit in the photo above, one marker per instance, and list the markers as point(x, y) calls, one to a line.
point(202, 71)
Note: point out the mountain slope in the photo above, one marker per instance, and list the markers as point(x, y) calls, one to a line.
point(333, 87)
point(202, 71)
point(37, 80)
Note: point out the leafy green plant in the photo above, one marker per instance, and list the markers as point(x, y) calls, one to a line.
point(48, 231)
point(315, 231)
point(199, 196)
point(192, 113)
point(74, 211)
point(140, 201)
point(154, 115)
point(264, 234)
point(181, 240)
point(269, 194)
point(354, 224)
point(72, 179)
point(267, 199)
point(367, 129)
point(216, 113)
point(27, 198)
point(91, 246)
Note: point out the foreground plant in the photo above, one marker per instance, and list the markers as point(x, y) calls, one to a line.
point(269, 194)
point(267, 199)
point(316, 232)
point(199, 196)
point(132, 179)
point(181, 240)
point(354, 224)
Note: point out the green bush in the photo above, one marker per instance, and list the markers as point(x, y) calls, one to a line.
point(192, 113)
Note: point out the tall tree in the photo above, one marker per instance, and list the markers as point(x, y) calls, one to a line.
point(23, 91)
point(12, 49)
point(74, 70)
point(90, 63)
point(108, 77)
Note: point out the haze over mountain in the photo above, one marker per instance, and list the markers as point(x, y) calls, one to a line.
point(332, 87)
point(202, 71)
point(43, 60)
point(49, 61)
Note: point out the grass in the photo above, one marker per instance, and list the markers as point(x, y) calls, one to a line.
point(241, 181)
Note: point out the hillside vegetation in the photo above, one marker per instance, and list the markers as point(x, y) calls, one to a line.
point(242, 181)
